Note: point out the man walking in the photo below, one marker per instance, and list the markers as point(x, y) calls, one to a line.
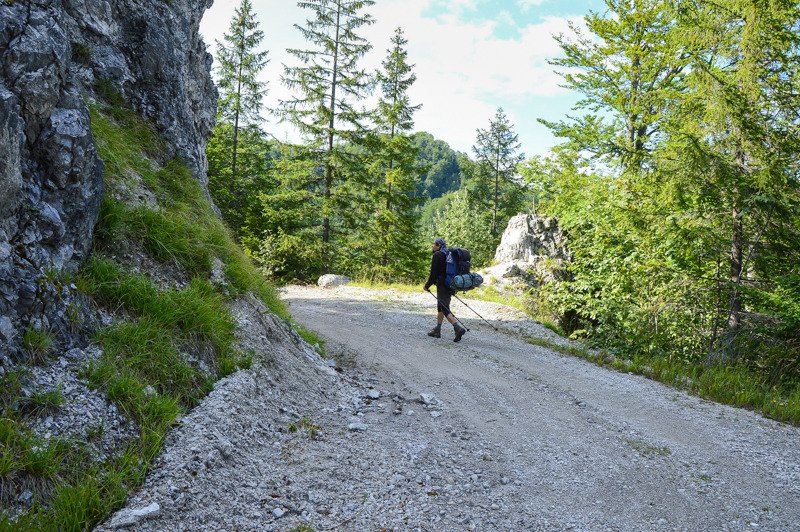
point(437, 275)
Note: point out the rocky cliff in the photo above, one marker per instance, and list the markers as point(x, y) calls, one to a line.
point(533, 251)
point(55, 57)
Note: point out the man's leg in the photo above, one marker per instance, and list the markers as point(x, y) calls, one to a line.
point(444, 297)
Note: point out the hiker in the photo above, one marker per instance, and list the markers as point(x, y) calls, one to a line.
point(438, 273)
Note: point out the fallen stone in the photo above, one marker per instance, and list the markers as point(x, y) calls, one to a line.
point(427, 398)
point(125, 518)
point(332, 281)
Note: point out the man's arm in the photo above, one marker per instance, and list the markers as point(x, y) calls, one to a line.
point(436, 262)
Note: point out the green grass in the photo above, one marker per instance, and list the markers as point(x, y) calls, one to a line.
point(311, 337)
point(185, 231)
point(305, 424)
point(373, 284)
point(38, 344)
point(42, 401)
point(146, 367)
point(645, 449)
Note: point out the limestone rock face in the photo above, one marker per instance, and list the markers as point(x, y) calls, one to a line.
point(53, 55)
point(533, 251)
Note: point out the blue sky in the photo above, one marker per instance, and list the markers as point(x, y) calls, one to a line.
point(471, 57)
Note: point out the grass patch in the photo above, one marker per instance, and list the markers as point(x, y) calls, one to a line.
point(38, 344)
point(304, 424)
point(311, 337)
point(183, 230)
point(646, 450)
point(377, 284)
point(42, 401)
point(161, 338)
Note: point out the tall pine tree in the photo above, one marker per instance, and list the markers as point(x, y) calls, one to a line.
point(391, 232)
point(239, 66)
point(497, 158)
point(735, 132)
point(628, 68)
point(328, 84)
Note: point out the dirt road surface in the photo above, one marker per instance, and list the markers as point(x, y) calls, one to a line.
point(587, 448)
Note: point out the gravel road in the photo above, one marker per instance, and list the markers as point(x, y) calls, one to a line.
point(592, 449)
point(492, 433)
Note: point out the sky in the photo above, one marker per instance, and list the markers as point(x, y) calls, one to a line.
point(471, 57)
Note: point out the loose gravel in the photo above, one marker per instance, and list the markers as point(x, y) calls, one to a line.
point(406, 432)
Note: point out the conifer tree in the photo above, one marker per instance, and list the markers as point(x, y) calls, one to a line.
point(239, 67)
point(497, 158)
point(736, 135)
point(392, 228)
point(328, 84)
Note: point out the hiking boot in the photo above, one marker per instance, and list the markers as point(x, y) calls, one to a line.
point(436, 332)
point(461, 331)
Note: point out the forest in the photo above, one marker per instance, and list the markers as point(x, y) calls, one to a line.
point(676, 177)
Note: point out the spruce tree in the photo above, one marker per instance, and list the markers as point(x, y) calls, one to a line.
point(328, 84)
point(239, 66)
point(497, 159)
point(392, 229)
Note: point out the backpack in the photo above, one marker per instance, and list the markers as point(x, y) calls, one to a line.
point(458, 276)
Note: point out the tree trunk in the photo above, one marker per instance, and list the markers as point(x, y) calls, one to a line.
point(326, 221)
point(496, 191)
point(238, 106)
point(388, 203)
point(737, 258)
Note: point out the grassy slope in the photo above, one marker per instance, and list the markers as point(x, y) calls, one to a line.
point(144, 369)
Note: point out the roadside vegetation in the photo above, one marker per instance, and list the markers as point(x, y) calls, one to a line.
point(160, 323)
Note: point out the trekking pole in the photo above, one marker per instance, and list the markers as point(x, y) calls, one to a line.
point(448, 310)
point(481, 317)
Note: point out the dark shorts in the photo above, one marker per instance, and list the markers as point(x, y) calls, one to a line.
point(443, 295)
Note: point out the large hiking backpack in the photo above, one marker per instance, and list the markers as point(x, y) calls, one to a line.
point(458, 276)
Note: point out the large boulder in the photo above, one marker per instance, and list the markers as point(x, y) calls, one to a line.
point(533, 251)
point(332, 281)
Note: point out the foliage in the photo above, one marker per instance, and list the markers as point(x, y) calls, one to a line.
point(439, 164)
point(327, 85)
point(388, 245)
point(81, 53)
point(626, 68)
point(496, 169)
point(460, 225)
point(38, 343)
point(236, 194)
point(187, 233)
point(239, 66)
point(685, 235)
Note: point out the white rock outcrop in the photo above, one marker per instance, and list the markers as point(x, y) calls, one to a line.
point(532, 252)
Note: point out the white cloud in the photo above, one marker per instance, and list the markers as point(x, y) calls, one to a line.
point(464, 72)
point(527, 5)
